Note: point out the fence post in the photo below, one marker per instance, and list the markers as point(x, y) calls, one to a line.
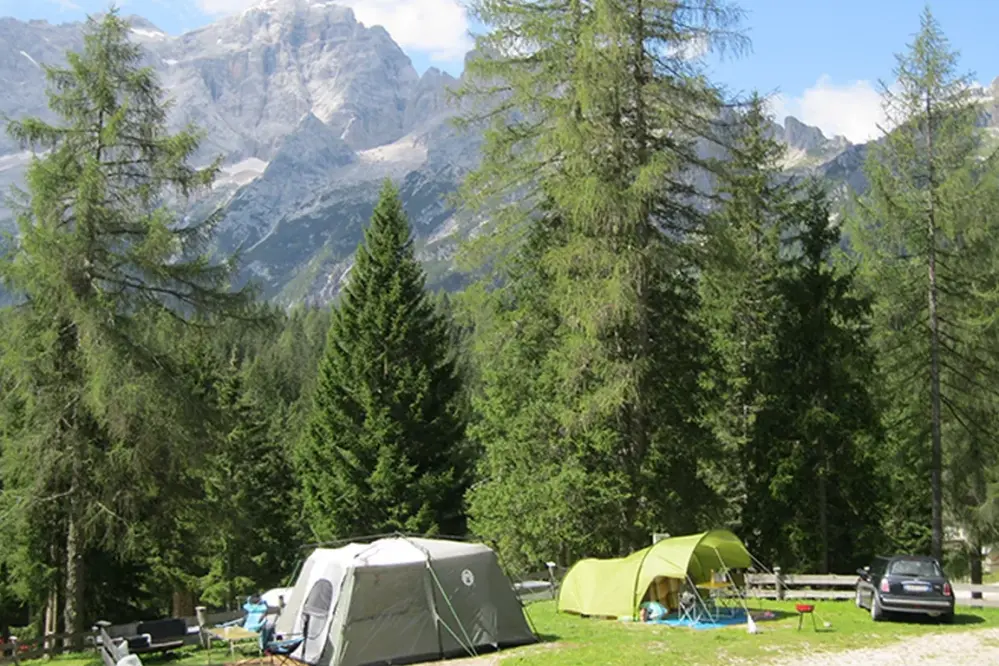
point(551, 577)
point(202, 614)
point(778, 584)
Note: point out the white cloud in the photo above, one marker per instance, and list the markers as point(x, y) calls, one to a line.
point(438, 28)
point(693, 49)
point(221, 7)
point(66, 5)
point(852, 109)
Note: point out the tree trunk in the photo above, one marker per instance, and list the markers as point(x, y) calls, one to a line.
point(52, 618)
point(183, 603)
point(823, 498)
point(230, 589)
point(73, 608)
point(975, 557)
point(936, 453)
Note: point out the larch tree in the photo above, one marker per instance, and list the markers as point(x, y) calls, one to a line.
point(384, 448)
point(597, 108)
point(919, 233)
point(97, 260)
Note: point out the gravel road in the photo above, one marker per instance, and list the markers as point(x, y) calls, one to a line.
point(968, 648)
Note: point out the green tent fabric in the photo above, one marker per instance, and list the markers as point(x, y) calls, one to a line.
point(615, 587)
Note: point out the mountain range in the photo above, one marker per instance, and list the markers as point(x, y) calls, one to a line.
point(311, 110)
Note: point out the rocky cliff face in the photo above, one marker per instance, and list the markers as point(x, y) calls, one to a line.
point(311, 110)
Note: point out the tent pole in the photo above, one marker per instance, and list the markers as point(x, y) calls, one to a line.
point(509, 580)
point(634, 586)
point(725, 571)
point(470, 648)
point(697, 595)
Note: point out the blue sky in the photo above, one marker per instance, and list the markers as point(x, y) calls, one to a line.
point(823, 57)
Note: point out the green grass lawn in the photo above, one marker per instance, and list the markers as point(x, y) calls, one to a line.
point(567, 640)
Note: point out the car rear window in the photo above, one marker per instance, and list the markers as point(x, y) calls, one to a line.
point(915, 568)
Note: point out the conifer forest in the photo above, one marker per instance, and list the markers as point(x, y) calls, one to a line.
point(649, 338)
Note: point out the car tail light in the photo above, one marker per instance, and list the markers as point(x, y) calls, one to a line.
point(947, 590)
point(885, 587)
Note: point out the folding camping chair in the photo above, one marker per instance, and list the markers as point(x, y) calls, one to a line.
point(689, 610)
point(280, 648)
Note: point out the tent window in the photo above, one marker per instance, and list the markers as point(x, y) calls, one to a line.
point(317, 607)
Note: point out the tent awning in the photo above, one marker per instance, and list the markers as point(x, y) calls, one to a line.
point(614, 587)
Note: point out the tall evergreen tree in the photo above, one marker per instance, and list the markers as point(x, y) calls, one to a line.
point(918, 235)
point(739, 299)
point(247, 487)
point(790, 406)
point(818, 434)
point(530, 498)
point(384, 447)
point(597, 106)
point(97, 259)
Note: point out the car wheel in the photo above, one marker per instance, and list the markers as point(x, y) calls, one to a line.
point(860, 598)
point(947, 618)
point(876, 613)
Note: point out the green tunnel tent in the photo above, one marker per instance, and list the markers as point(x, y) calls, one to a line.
point(615, 587)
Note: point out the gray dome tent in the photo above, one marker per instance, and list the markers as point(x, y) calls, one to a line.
point(401, 600)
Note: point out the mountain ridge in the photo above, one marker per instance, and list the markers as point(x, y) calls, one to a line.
point(311, 110)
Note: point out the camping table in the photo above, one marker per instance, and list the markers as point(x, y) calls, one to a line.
point(233, 635)
point(717, 592)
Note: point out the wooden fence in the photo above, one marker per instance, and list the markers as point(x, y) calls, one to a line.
point(838, 586)
point(538, 587)
point(14, 651)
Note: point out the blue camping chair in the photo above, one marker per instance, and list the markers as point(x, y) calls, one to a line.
point(281, 648)
point(256, 616)
point(254, 621)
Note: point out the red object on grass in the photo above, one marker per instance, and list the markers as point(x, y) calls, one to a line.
point(804, 608)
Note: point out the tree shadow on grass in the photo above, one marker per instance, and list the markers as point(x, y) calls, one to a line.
point(163, 657)
point(770, 614)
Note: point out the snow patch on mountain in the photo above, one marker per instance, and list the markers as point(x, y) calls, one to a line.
point(150, 34)
point(33, 61)
point(393, 160)
point(242, 173)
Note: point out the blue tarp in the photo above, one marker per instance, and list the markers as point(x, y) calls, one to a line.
point(726, 619)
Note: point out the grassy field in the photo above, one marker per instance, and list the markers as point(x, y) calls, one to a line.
point(582, 642)
point(567, 640)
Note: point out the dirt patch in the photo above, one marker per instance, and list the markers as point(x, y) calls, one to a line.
point(969, 648)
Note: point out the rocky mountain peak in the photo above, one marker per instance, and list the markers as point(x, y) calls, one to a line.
point(139, 23)
point(311, 148)
point(800, 136)
point(342, 13)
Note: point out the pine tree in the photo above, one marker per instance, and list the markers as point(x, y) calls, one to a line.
point(383, 450)
point(98, 261)
point(530, 500)
point(820, 430)
point(241, 477)
point(790, 404)
point(915, 234)
point(739, 297)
